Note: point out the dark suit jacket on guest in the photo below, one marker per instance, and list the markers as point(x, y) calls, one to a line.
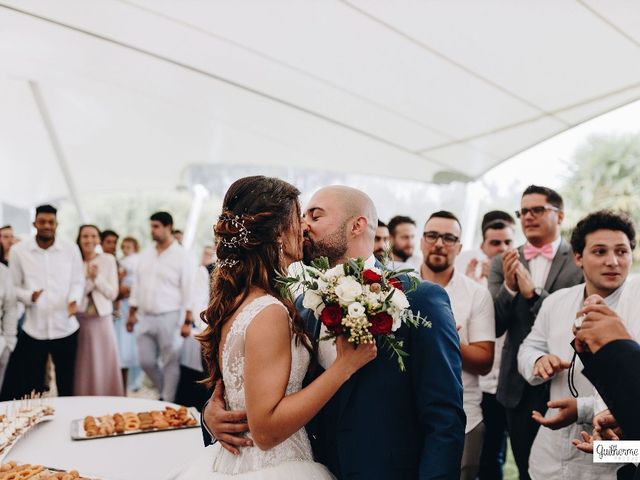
point(613, 370)
point(385, 424)
point(515, 315)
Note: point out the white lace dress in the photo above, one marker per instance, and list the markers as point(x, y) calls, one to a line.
point(290, 459)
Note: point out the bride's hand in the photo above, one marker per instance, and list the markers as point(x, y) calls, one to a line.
point(353, 358)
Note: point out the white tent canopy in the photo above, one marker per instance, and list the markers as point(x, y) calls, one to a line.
point(125, 94)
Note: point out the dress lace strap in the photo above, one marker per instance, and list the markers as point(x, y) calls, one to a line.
point(251, 310)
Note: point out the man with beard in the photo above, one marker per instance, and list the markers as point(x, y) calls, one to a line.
point(49, 279)
point(382, 423)
point(473, 311)
point(160, 292)
point(381, 242)
point(402, 236)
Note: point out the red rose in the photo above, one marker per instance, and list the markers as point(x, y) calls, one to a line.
point(370, 277)
point(394, 282)
point(381, 323)
point(331, 316)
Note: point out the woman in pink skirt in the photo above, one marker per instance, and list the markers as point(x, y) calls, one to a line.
point(97, 369)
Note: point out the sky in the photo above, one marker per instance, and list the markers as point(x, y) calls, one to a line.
point(548, 163)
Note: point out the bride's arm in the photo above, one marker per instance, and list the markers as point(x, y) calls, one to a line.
point(272, 416)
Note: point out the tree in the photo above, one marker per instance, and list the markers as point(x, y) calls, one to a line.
point(605, 174)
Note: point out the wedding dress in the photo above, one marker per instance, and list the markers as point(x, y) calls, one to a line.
point(290, 459)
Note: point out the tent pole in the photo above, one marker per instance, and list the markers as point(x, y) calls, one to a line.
point(57, 148)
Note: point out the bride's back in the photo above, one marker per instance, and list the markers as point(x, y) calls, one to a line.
point(232, 363)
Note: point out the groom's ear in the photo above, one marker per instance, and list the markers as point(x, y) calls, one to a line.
point(359, 226)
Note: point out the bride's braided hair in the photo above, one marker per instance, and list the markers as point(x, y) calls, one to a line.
point(255, 212)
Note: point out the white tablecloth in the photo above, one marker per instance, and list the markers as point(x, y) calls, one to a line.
point(149, 456)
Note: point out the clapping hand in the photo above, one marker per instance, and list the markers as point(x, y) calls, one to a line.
point(510, 262)
point(92, 271)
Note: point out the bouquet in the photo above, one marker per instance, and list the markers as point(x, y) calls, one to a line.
point(359, 303)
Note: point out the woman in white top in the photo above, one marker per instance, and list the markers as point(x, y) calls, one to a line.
point(97, 368)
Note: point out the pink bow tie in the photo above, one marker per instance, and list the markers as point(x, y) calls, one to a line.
point(531, 252)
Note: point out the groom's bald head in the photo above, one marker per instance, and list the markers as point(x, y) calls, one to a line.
point(353, 203)
point(341, 223)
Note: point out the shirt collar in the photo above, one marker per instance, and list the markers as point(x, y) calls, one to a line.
point(34, 245)
point(612, 299)
point(370, 262)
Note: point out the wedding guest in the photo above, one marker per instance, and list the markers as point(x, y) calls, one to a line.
point(402, 235)
point(49, 280)
point(126, 341)
point(7, 240)
point(191, 392)
point(8, 318)
point(109, 241)
point(498, 229)
point(602, 245)
point(519, 280)
point(381, 242)
point(97, 369)
point(178, 235)
point(161, 291)
point(497, 237)
point(473, 311)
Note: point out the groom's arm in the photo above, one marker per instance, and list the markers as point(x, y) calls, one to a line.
point(222, 425)
point(437, 378)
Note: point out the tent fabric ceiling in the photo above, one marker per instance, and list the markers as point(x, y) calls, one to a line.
point(138, 90)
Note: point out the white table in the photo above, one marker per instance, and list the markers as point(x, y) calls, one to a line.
point(156, 456)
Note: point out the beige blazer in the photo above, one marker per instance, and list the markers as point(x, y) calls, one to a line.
point(104, 288)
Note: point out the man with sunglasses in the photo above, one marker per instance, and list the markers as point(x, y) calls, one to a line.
point(473, 310)
point(519, 280)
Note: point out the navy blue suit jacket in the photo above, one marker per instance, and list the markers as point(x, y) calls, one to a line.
point(384, 423)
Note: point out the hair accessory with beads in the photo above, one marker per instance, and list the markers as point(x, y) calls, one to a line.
point(242, 237)
point(228, 263)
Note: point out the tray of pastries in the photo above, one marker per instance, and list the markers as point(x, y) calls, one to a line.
point(28, 471)
point(21, 416)
point(130, 423)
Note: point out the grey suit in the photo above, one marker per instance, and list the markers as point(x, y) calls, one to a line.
point(515, 315)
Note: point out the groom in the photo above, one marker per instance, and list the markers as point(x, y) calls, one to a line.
point(382, 423)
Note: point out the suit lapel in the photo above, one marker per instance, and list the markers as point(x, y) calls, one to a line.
point(557, 264)
point(523, 260)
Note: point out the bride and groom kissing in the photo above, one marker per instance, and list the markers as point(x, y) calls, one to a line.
point(288, 406)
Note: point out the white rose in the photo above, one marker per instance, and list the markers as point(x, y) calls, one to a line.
point(356, 310)
point(373, 299)
point(312, 300)
point(347, 290)
point(399, 300)
point(397, 321)
point(335, 272)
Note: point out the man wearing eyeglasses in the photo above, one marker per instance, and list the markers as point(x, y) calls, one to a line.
point(472, 307)
point(519, 280)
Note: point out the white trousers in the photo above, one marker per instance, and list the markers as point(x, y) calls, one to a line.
point(159, 343)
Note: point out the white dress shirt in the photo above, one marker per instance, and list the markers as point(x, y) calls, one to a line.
point(58, 272)
point(327, 349)
point(552, 455)
point(8, 311)
point(163, 281)
point(472, 307)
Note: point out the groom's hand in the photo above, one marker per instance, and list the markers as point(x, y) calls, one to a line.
point(227, 426)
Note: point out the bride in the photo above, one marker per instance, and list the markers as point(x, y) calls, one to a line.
point(255, 341)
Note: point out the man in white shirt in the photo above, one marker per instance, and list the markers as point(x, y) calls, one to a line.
point(602, 244)
point(473, 310)
point(402, 236)
point(49, 279)
point(497, 237)
point(519, 280)
point(160, 293)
